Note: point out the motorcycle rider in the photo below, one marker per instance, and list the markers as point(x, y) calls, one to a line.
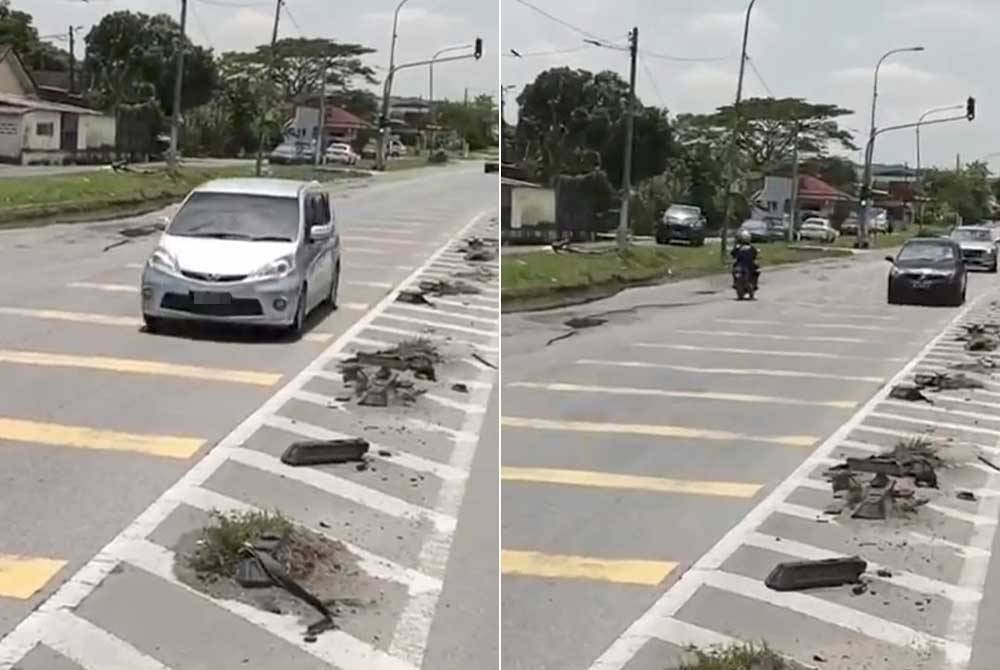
point(744, 254)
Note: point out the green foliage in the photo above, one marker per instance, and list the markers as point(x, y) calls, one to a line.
point(966, 194)
point(474, 121)
point(221, 543)
point(17, 30)
point(737, 657)
point(131, 57)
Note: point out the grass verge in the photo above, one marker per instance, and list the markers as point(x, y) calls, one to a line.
point(541, 280)
point(221, 543)
point(30, 200)
point(737, 657)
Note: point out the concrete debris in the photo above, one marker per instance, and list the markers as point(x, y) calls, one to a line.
point(799, 575)
point(459, 388)
point(414, 298)
point(870, 487)
point(379, 378)
point(484, 361)
point(279, 577)
point(967, 495)
point(478, 249)
point(249, 574)
point(945, 381)
point(585, 322)
point(882, 572)
point(319, 452)
point(988, 462)
point(478, 273)
point(908, 392)
point(439, 287)
point(875, 503)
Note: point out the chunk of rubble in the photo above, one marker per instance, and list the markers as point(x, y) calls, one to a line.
point(382, 378)
point(908, 392)
point(439, 287)
point(321, 452)
point(800, 575)
point(945, 381)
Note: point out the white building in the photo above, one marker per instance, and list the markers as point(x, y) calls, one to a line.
point(37, 131)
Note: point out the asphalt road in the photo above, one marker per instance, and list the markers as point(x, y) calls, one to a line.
point(656, 467)
point(114, 443)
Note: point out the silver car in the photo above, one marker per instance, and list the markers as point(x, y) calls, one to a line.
point(248, 251)
point(979, 246)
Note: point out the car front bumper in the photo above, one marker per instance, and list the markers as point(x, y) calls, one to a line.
point(978, 259)
point(681, 232)
point(168, 296)
point(933, 291)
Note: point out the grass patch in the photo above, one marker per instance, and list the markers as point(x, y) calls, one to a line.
point(220, 544)
point(543, 273)
point(39, 197)
point(737, 657)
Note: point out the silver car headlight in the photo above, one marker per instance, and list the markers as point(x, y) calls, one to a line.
point(276, 269)
point(164, 261)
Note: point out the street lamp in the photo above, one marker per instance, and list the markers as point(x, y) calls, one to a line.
point(736, 130)
point(865, 182)
point(384, 120)
point(936, 110)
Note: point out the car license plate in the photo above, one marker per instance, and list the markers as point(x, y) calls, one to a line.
point(210, 298)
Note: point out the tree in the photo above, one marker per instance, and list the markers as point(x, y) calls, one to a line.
point(573, 121)
point(17, 31)
point(131, 59)
point(358, 101)
point(770, 128)
point(299, 64)
point(474, 122)
point(966, 193)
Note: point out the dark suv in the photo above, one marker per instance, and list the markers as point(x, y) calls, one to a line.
point(681, 223)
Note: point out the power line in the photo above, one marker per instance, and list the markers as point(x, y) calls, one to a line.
point(291, 18)
point(652, 81)
point(564, 23)
point(759, 77)
point(686, 59)
point(555, 52)
point(235, 3)
point(201, 27)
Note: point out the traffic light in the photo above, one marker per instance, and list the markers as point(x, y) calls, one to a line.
point(970, 108)
point(478, 53)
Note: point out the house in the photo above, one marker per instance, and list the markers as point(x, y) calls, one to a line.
point(527, 211)
point(404, 108)
point(816, 198)
point(339, 126)
point(35, 129)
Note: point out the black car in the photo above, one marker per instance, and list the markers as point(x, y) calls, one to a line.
point(681, 223)
point(928, 271)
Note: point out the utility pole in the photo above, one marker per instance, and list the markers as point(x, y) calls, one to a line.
point(175, 119)
point(270, 69)
point(318, 158)
point(72, 62)
point(958, 163)
point(465, 99)
point(385, 128)
point(629, 130)
point(793, 215)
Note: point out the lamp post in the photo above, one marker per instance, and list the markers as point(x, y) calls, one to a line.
point(736, 130)
point(919, 175)
point(865, 203)
point(430, 92)
point(384, 120)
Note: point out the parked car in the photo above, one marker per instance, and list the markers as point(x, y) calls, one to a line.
point(849, 226)
point(928, 270)
point(819, 230)
point(759, 230)
point(979, 246)
point(290, 153)
point(397, 149)
point(681, 223)
point(247, 251)
point(340, 153)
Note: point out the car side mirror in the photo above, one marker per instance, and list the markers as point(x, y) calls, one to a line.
point(163, 221)
point(320, 232)
point(891, 259)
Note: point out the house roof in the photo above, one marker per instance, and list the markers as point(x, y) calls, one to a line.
point(32, 104)
point(341, 118)
point(816, 189)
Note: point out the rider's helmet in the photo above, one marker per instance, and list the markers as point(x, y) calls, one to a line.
point(743, 236)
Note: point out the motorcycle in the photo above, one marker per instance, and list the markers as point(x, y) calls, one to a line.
point(743, 282)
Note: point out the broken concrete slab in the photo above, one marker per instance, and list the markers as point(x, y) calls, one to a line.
point(439, 287)
point(908, 392)
point(945, 381)
point(875, 504)
point(320, 452)
point(799, 575)
point(413, 298)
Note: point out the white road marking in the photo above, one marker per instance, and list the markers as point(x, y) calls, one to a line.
point(369, 284)
point(111, 288)
point(334, 646)
point(94, 648)
point(742, 372)
point(924, 407)
point(373, 564)
point(762, 352)
point(462, 305)
point(430, 311)
point(931, 423)
point(350, 239)
point(770, 336)
point(468, 408)
point(834, 326)
point(419, 334)
point(358, 306)
point(702, 571)
point(838, 615)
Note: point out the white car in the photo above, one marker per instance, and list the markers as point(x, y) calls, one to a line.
point(341, 153)
point(245, 251)
point(818, 230)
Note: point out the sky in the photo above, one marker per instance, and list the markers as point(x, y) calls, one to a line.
point(819, 50)
point(425, 26)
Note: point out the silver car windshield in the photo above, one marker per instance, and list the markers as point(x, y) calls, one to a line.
point(238, 216)
point(682, 210)
point(971, 235)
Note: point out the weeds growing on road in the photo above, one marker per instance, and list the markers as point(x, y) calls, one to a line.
point(221, 543)
point(737, 657)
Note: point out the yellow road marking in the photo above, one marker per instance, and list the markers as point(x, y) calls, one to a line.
point(139, 367)
point(112, 288)
point(23, 576)
point(562, 566)
point(658, 430)
point(80, 317)
point(80, 437)
point(697, 395)
point(616, 481)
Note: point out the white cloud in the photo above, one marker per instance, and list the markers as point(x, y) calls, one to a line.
point(728, 27)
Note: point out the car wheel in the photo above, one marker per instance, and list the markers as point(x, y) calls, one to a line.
point(699, 242)
point(299, 322)
point(154, 324)
point(893, 299)
point(662, 239)
point(331, 298)
point(993, 269)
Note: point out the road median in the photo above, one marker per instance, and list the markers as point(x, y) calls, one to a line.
point(547, 279)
